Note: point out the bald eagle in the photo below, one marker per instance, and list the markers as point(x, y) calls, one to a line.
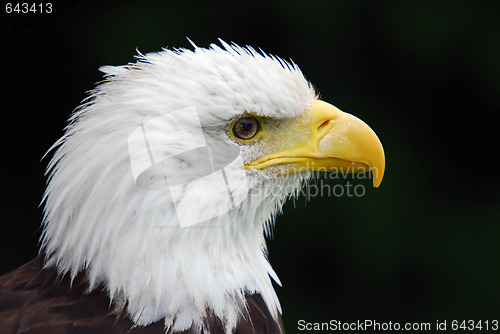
point(163, 188)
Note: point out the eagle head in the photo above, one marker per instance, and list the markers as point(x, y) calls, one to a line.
point(170, 175)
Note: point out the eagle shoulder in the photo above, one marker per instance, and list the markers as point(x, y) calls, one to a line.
point(38, 300)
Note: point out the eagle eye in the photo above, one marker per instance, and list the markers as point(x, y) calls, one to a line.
point(246, 128)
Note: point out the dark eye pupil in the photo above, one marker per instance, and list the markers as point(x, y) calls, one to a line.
point(246, 128)
point(246, 125)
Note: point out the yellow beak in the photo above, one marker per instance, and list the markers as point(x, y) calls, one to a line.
point(338, 142)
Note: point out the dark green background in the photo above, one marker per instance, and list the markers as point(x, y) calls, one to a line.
point(425, 75)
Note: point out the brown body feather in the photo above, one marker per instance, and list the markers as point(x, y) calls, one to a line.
point(36, 300)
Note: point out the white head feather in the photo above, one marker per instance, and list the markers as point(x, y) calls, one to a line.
point(126, 236)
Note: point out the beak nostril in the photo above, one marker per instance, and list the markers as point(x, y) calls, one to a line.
point(323, 125)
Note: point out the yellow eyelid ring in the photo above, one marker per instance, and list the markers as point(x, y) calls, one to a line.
point(259, 131)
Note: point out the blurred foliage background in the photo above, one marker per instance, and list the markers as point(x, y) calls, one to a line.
point(425, 75)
